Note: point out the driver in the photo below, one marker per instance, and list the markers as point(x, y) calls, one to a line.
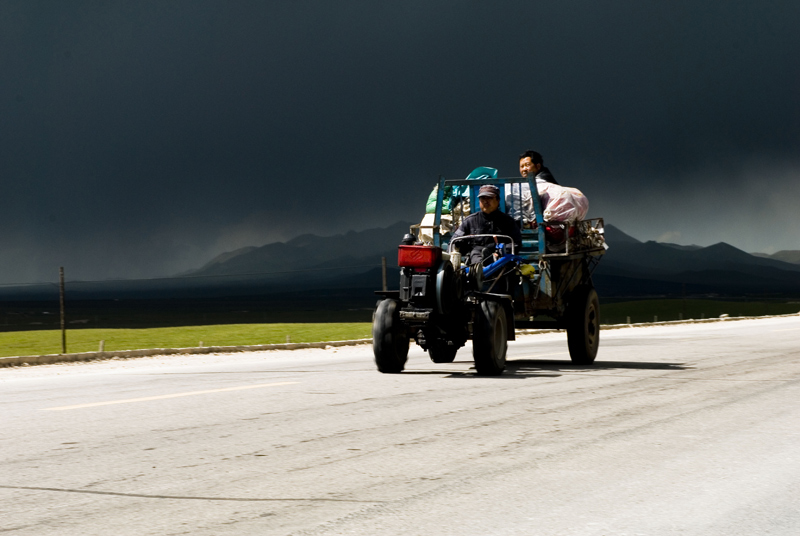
point(490, 220)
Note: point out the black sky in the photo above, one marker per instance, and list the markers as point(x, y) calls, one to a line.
point(140, 139)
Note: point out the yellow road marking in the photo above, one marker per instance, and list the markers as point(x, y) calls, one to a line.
point(162, 397)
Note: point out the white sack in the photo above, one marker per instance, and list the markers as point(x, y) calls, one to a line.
point(562, 203)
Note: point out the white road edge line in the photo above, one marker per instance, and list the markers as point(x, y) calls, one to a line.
point(161, 397)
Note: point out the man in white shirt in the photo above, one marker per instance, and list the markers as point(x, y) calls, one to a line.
point(519, 204)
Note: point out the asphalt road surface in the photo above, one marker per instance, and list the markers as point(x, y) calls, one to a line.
point(688, 429)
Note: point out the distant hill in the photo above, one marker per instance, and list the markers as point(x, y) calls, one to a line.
point(691, 247)
point(655, 258)
point(224, 257)
point(630, 267)
point(615, 236)
point(309, 252)
point(652, 268)
point(787, 255)
point(349, 264)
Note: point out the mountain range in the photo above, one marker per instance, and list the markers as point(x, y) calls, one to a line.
point(634, 268)
point(629, 268)
point(309, 252)
point(786, 255)
point(309, 267)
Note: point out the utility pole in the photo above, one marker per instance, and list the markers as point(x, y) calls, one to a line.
point(383, 272)
point(61, 303)
point(683, 300)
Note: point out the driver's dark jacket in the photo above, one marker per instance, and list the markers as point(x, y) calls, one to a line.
point(495, 223)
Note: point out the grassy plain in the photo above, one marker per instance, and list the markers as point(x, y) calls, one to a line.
point(677, 309)
point(42, 342)
point(48, 341)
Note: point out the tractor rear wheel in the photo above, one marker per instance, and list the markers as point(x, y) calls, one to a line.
point(583, 325)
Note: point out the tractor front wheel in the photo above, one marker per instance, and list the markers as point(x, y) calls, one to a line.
point(389, 338)
point(490, 339)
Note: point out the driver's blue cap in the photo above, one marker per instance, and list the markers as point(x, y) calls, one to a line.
point(489, 190)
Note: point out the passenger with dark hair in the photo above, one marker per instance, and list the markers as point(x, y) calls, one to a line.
point(531, 162)
point(518, 196)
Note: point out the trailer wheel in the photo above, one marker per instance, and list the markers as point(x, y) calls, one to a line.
point(389, 338)
point(489, 339)
point(440, 352)
point(583, 326)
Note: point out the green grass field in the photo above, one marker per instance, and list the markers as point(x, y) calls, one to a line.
point(88, 340)
point(41, 342)
point(676, 309)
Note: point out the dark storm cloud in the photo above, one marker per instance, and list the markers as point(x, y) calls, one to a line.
point(142, 139)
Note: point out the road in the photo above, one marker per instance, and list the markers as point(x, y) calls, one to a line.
point(685, 429)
